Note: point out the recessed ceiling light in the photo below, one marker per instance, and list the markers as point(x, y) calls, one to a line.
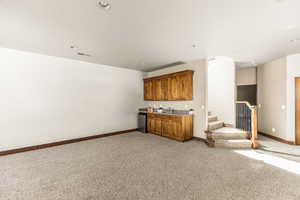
point(104, 4)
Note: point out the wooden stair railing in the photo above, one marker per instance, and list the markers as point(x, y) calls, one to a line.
point(246, 119)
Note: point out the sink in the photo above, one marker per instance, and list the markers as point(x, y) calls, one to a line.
point(168, 112)
point(172, 112)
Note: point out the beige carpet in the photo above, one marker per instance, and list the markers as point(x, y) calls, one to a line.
point(136, 166)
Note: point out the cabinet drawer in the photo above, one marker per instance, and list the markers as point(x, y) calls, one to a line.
point(162, 116)
point(158, 116)
point(175, 117)
point(150, 115)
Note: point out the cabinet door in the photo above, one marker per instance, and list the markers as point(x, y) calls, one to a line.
point(173, 90)
point(165, 88)
point(180, 86)
point(158, 127)
point(185, 86)
point(167, 128)
point(151, 125)
point(177, 132)
point(157, 89)
point(148, 90)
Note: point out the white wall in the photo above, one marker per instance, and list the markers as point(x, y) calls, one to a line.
point(293, 71)
point(272, 98)
point(246, 76)
point(199, 100)
point(46, 99)
point(221, 89)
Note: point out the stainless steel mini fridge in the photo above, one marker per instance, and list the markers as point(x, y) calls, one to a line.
point(142, 122)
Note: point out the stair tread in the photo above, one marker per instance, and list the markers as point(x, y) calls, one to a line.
point(215, 125)
point(228, 130)
point(234, 141)
point(229, 136)
point(215, 122)
point(212, 118)
point(234, 144)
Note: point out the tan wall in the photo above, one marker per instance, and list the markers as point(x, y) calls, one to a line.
point(272, 84)
point(221, 89)
point(293, 71)
point(246, 76)
point(200, 90)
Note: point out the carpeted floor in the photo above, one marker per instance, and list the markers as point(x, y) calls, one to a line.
point(138, 166)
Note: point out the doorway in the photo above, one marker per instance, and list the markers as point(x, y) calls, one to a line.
point(247, 93)
point(297, 95)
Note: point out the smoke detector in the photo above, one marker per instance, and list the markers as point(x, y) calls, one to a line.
point(104, 4)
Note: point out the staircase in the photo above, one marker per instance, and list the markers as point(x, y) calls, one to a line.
point(226, 137)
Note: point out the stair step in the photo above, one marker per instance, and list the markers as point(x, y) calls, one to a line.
point(212, 118)
point(215, 125)
point(236, 144)
point(227, 133)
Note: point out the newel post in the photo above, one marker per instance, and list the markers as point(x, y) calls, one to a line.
point(254, 144)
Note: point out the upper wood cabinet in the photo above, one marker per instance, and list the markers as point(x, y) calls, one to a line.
point(169, 87)
point(165, 89)
point(157, 89)
point(148, 88)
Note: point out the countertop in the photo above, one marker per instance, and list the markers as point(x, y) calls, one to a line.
point(175, 114)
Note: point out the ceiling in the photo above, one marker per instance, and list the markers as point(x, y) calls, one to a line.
point(144, 34)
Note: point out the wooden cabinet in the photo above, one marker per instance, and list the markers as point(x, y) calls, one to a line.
point(184, 85)
point(154, 125)
point(157, 89)
point(165, 89)
point(157, 128)
point(175, 127)
point(172, 129)
point(151, 124)
point(148, 89)
point(170, 87)
point(174, 88)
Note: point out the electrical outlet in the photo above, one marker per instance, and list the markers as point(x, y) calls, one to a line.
point(273, 130)
point(202, 107)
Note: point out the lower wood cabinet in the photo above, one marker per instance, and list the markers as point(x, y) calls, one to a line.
point(175, 127)
point(151, 124)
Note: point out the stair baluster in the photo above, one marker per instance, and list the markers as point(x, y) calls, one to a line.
point(246, 119)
